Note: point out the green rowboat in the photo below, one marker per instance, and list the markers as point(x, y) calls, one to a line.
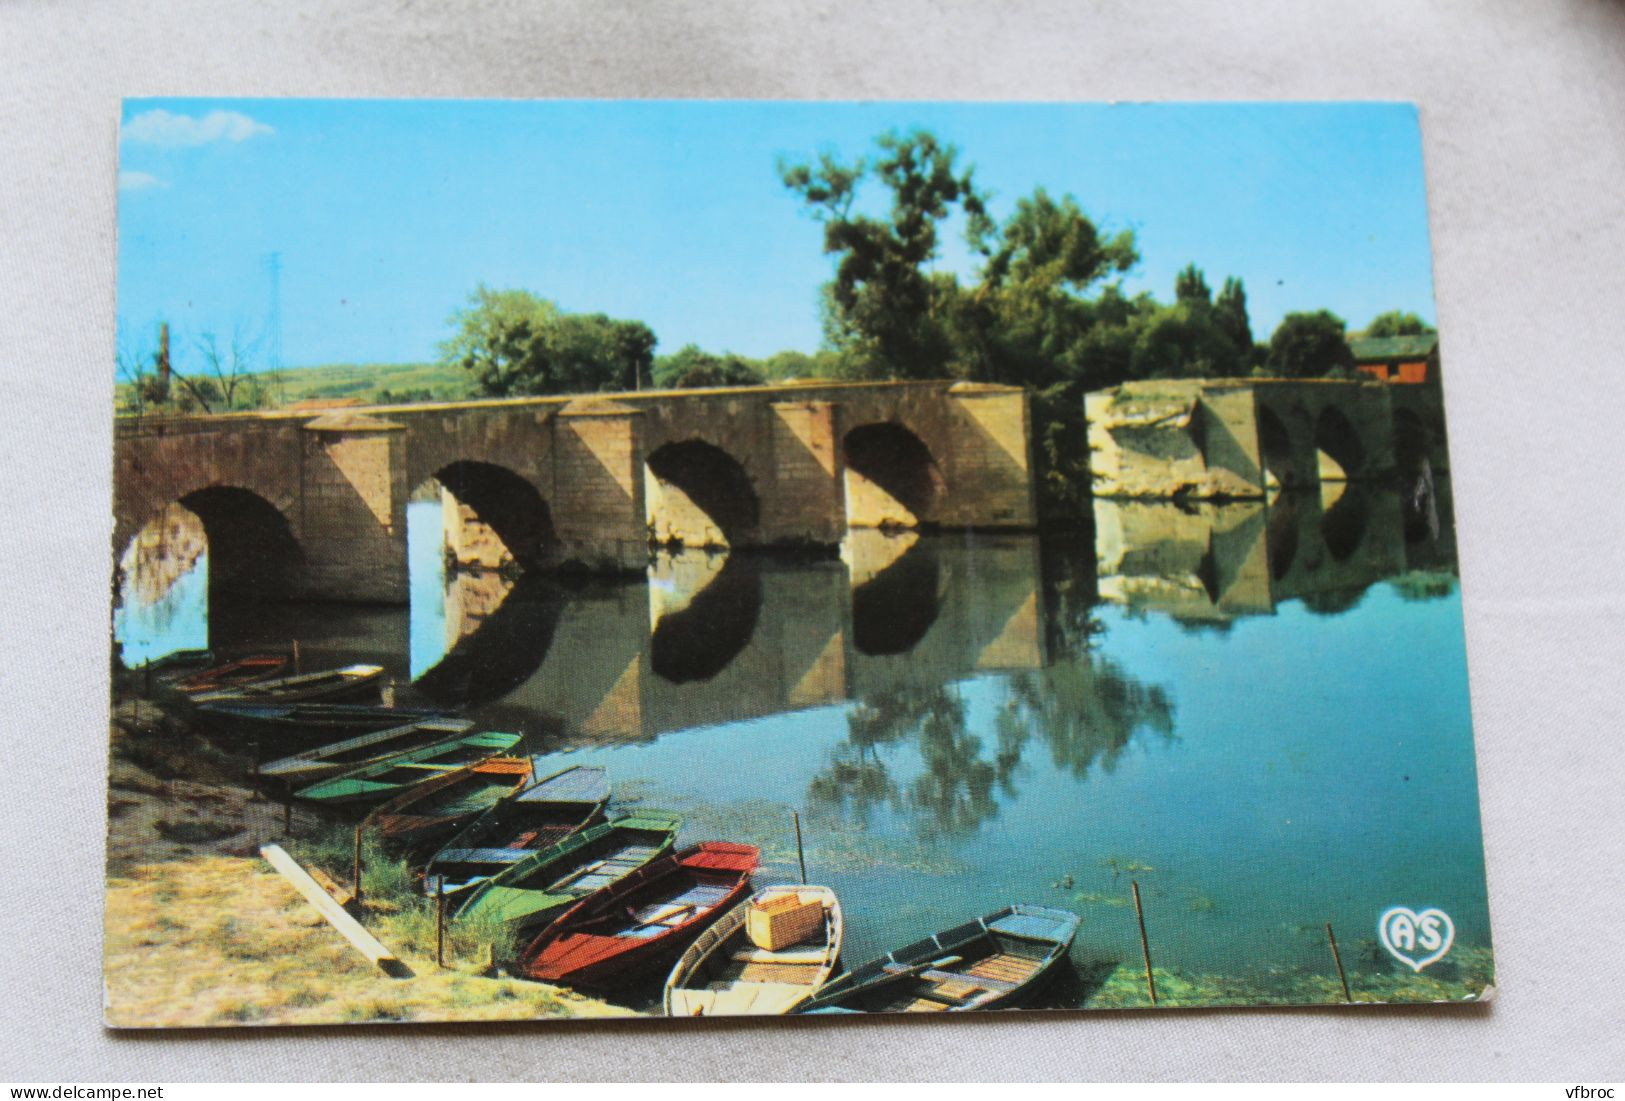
point(528, 895)
point(380, 780)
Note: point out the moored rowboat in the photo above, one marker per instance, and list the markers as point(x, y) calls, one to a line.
point(384, 780)
point(345, 682)
point(419, 818)
point(643, 922)
point(228, 675)
point(539, 817)
point(295, 722)
point(996, 960)
point(527, 895)
point(435, 733)
point(726, 973)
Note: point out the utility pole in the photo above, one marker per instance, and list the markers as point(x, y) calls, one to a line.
point(273, 322)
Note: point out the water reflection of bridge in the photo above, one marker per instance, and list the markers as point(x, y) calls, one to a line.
point(1213, 562)
point(721, 638)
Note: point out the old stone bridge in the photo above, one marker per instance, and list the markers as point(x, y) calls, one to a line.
point(1240, 439)
point(315, 506)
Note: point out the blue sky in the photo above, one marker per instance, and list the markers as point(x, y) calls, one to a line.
point(387, 213)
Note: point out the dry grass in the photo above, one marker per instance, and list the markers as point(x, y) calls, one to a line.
point(200, 931)
point(219, 940)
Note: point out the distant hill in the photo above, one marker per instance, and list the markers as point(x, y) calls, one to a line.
point(373, 382)
point(367, 382)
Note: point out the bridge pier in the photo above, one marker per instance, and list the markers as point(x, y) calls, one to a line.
point(352, 523)
point(598, 487)
point(808, 502)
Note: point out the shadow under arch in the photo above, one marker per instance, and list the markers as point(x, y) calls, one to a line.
point(892, 478)
point(253, 554)
point(1413, 442)
point(708, 481)
point(503, 652)
point(1337, 439)
point(892, 611)
point(1343, 527)
point(1275, 445)
point(510, 505)
point(703, 638)
point(1281, 536)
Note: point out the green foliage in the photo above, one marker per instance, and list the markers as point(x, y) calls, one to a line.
point(1309, 345)
point(884, 307)
point(516, 343)
point(690, 368)
point(1190, 287)
point(1396, 323)
point(1185, 340)
point(1230, 313)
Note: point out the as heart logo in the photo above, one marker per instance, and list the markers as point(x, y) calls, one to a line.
point(1414, 939)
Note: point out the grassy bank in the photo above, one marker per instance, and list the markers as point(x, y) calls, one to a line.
point(200, 931)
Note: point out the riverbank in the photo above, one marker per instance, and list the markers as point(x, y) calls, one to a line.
point(200, 931)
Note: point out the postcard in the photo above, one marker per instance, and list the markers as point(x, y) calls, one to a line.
point(595, 559)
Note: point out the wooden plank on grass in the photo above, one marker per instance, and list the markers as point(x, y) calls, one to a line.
point(364, 942)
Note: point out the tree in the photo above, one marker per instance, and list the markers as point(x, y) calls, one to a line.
point(1230, 312)
point(517, 343)
point(1397, 323)
point(690, 368)
point(883, 308)
point(1309, 345)
point(1190, 286)
point(1184, 340)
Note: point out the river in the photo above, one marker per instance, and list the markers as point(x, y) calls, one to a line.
point(1258, 714)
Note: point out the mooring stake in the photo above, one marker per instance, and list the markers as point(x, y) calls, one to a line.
point(801, 857)
point(440, 922)
point(356, 898)
point(1337, 958)
point(1145, 945)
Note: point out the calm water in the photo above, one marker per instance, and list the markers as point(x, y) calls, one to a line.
point(1259, 714)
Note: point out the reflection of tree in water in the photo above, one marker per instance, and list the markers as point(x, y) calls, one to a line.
point(1087, 712)
point(1423, 585)
point(952, 795)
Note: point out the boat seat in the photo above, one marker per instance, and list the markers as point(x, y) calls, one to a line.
point(1005, 967)
point(976, 982)
point(481, 856)
point(428, 767)
point(762, 955)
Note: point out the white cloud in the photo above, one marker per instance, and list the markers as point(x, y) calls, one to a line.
point(138, 181)
point(163, 128)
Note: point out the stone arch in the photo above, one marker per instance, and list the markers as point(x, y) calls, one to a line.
point(892, 479)
point(698, 495)
point(1413, 442)
point(253, 552)
point(1275, 445)
point(1341, 452)
point(506, 504)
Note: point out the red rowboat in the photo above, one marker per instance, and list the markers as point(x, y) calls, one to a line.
point(642, 922)
point(247, 670)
